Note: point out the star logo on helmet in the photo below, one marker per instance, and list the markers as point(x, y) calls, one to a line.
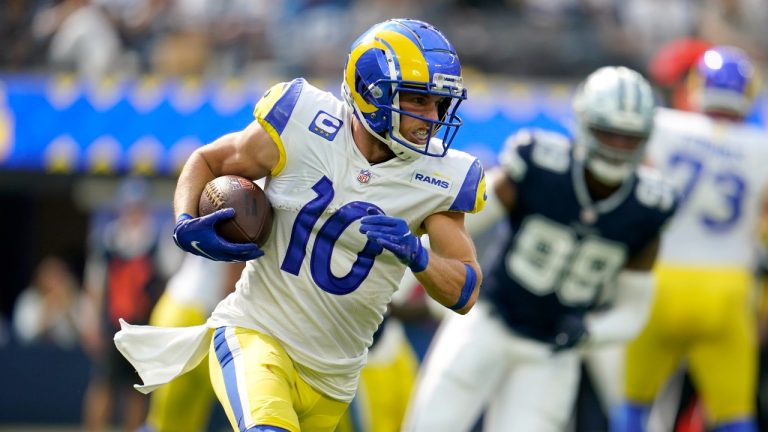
point(364, 176)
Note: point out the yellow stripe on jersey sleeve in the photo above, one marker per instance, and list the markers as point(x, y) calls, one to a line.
point(261, 112)
point(480, 196)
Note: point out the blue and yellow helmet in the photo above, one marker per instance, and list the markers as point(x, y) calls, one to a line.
point(404, 55)
point(724, 81)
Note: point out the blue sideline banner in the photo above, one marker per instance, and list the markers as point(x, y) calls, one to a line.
point(149, 126)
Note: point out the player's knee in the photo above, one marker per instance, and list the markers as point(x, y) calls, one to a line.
point(630, 417)
point(265, 428)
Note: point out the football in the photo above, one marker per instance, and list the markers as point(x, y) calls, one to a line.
point(252, 222)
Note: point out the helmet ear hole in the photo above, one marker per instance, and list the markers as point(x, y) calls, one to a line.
point(442, 108)
point(359, 85)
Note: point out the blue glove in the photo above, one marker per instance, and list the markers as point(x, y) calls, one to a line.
point(394, 235)
point(198, 236)
point(570, 331)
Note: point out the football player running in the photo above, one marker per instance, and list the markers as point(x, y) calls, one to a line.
point(586, 220)
point(353, 183)
point(704, 312)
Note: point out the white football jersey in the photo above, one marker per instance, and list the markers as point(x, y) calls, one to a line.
point(321, 288)
point(719, 169)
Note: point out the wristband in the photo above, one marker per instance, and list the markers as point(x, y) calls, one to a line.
point(469, 287)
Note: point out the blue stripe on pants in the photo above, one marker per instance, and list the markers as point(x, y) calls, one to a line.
point(227, 365)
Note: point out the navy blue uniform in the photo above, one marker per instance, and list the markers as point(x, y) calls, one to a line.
point(564, 248)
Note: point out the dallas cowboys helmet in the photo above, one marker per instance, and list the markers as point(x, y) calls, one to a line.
point(616, 100)
point(404, 55)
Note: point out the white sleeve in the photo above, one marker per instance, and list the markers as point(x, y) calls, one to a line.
point(628, 314)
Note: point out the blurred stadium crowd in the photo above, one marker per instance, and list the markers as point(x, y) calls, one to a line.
point(269, 40)
point(552, 38)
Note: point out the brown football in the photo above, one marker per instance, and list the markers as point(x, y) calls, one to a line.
point(252, 222)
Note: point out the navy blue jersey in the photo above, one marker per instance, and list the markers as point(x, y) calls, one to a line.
point(563, 249)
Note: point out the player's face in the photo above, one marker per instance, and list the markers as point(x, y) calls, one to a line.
point(423, 105)
point(618, 143)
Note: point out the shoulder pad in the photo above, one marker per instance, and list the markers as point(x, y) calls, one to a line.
point(552, 151)
point(653, 191)
point(277, 104)
point(546, 149)
point(510, 157)
point(472, 196)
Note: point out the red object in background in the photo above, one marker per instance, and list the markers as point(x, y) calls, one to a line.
point(673, 60)
point(692, 417)
point(670, 66)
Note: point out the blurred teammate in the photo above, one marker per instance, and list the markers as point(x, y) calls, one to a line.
point(703, 312)
point(585, 219)
point(191, 294)
point(350, 182)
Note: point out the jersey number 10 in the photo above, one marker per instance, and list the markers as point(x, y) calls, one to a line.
point(320, 261)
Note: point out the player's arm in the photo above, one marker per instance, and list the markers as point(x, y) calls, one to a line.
point(630, 309)
point(250, 153)
point(231, 276)
point(452, 276)
point(447, 278)
point(449, 271)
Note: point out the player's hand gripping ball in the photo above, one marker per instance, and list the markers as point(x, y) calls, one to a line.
point(252, 222)
point(235, 219)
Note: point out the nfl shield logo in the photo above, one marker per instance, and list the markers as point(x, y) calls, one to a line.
point(364, 176)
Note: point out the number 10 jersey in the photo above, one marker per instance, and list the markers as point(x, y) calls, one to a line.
point(322, 287)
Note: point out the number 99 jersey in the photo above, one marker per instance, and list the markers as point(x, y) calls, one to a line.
point(563, 250)
point(719, 168)
point(322, 287)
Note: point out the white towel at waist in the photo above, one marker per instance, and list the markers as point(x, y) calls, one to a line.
point(160, 354)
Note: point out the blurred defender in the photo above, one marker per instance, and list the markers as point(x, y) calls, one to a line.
point(703, 312)
point(585, 220)
point(350, 182)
